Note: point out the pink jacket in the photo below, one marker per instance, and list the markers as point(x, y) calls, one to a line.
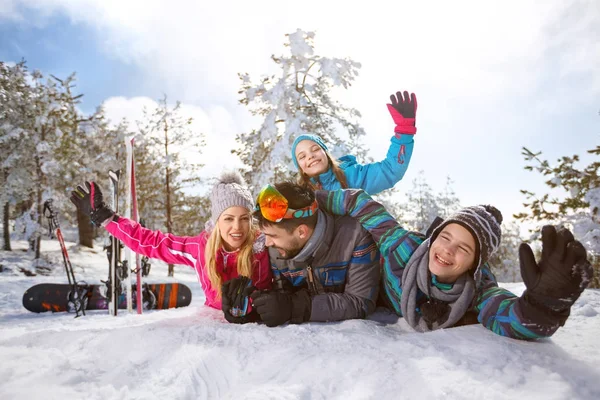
point(189, 250)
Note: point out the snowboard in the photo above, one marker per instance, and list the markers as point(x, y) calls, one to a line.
point(54, 297)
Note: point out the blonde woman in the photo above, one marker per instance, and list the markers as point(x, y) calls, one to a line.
point(229, 247)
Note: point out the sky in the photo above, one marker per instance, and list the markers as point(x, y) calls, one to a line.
point(194, 353)
point(490, 77)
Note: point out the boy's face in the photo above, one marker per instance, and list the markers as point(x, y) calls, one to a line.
point(287, 244)
point(452, 253)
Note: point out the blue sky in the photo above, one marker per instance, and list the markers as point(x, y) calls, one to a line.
point(490, 76)
point(61, 47)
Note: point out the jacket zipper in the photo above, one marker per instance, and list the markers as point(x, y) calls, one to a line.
point(311, 279)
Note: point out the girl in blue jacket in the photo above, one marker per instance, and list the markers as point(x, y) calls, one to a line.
point(319, 170)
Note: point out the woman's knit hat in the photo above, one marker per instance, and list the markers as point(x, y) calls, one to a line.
point(314, 138)
point(229, 191)
point(483, 222)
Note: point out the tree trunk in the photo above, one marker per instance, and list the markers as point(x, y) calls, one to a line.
point(37, 240)
point(6, 225)
point(41, 185)
point(86, 230)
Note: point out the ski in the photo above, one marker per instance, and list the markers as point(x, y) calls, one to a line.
point(135, 216)
point(113, 283)
point(127, 261)
point(76, 298)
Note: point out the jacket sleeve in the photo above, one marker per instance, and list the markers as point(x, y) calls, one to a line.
point(155, 244)
point(383, 227)
point(361, 289)
point(379, 176)
point(504, 313)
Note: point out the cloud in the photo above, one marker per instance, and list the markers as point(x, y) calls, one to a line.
point(216, 124)
point(490, 76)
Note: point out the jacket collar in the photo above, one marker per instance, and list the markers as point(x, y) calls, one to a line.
point(320, 242)
point(326, 179)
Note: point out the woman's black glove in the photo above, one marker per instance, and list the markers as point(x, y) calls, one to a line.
point(90, 202)
point(235, 300)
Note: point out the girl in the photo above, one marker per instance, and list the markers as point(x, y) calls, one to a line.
point(229, 247)
point(319, 170)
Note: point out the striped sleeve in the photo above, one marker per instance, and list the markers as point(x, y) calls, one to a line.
point(505, 314)
point(373, 216)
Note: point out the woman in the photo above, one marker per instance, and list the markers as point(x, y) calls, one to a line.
point(444, 280)
point(229, 247)
point(317, 169)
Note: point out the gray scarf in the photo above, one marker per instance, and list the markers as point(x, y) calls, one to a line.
point(455, 302)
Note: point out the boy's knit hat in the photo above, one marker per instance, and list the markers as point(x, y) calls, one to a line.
point(229, 191)
point(314, 138)
point(483, 222)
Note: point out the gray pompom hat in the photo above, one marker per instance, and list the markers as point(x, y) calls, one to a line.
point(229, 191)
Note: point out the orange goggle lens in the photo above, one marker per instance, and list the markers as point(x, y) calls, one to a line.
point(274, 206)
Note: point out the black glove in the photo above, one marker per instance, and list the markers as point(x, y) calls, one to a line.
point(235, 300)
point(556, 282)
point(277, 308)
point(90, 202)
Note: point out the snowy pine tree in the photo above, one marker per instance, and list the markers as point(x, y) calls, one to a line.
point(421, 207)
point(505, 262)
point(93, 149)
point(447, 200)
point(45, 114)
point(579, 205)
point(15, 108)
point(167, 134)
point(298, 101)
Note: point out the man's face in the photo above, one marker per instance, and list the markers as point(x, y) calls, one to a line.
point(287, 244)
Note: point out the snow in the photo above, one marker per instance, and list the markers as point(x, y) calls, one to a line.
point(193, 353)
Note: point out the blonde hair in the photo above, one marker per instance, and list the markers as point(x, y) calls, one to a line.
point(245, 259)
point(305, 181)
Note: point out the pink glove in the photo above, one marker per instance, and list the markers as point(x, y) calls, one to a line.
point(403, 112)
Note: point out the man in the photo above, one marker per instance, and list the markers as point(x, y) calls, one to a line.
point(325, 267)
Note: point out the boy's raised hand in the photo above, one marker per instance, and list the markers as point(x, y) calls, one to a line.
point(561, 275)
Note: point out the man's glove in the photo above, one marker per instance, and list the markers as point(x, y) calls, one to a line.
point(235, 301)
point(90, 202)
point(277, 308)
point(556, 282)
point(404, 112)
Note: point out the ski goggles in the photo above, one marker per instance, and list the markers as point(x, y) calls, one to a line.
point(274, 206)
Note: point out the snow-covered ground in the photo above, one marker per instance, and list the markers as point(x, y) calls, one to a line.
point(193, 353)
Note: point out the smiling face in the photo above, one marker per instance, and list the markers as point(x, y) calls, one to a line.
point(311, 158)
point(234, 225)
point(287, 244)
point(452, 253)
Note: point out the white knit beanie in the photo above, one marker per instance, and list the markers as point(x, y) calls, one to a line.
point(229, 191)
